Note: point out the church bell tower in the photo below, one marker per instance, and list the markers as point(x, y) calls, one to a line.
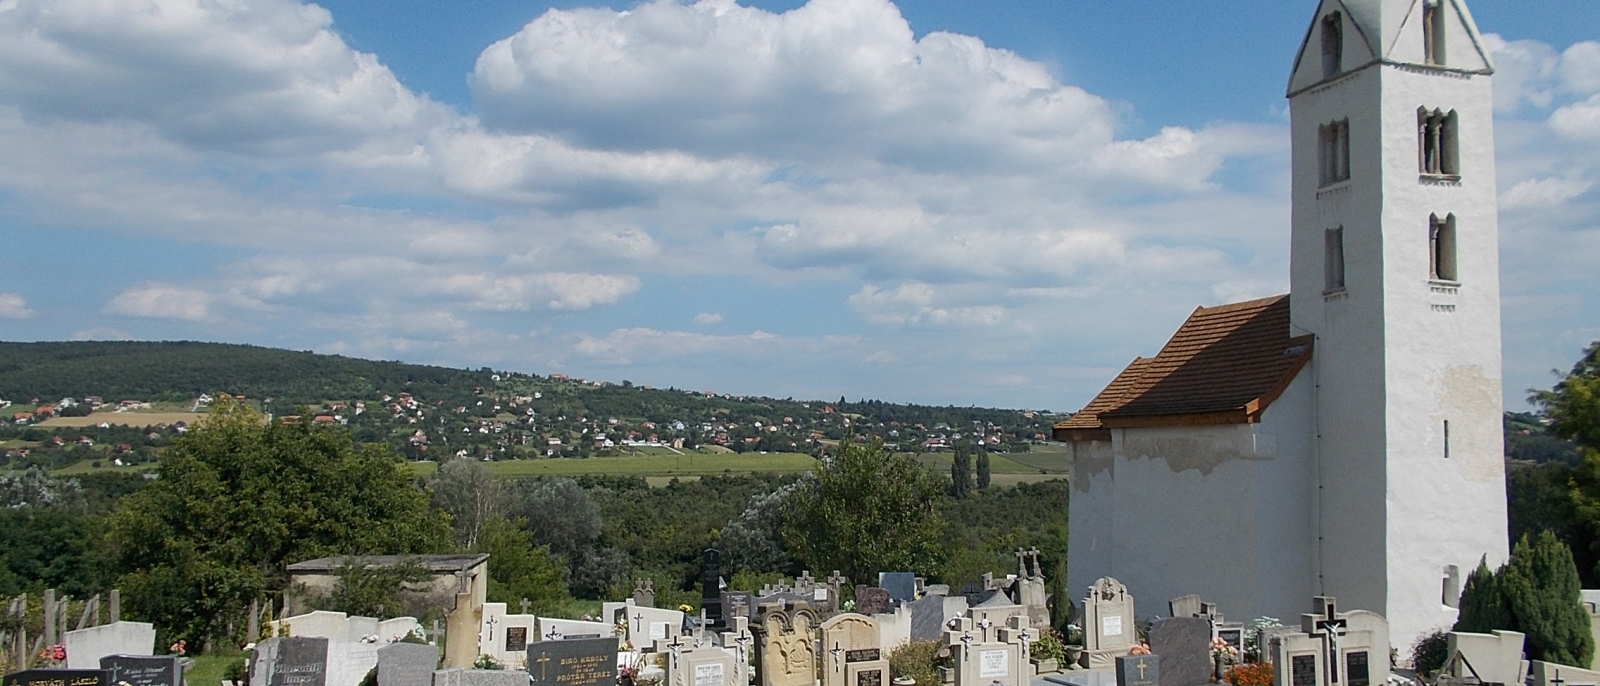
point(1395, 271)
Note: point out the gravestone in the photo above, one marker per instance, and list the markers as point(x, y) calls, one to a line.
point(574, 662)
point(1108, 628)
point(1185, 606)
point(494, 677)
point(407, 664)
point(1138, 670)
point(902, 586)
point(646, 625)
point(929, 614)
point(290, 661)
point(644, 593)
point(1332, 649)
point(1030, 588)
point(85, 647)
point(552, 629)
point(700, 665)
point(737, 604)
point(1492, 658)
point(144, 670)
point(711, 589)
point(505, 637)
point(985, 653)
point(1183, 646)
point(853, 651)
point(59, 677)
point(786, 650)
point(871, 600)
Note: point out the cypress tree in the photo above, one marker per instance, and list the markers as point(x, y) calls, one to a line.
point(1541, 590)
point(1483, 605)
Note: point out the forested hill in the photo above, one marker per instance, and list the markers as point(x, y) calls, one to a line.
point(180, 371)
point(433, 412)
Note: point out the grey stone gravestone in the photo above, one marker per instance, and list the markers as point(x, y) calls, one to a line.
point(1185, 606)
point(1183, 645)
point(497, 677)
point(737, 604)
point(59, 677)
point(407, 664)
point(902, 586)
point(578, 662)
point(871, 600)
point(143, 670)
point(291, 661)
point(1138, 670)
point(927, 618)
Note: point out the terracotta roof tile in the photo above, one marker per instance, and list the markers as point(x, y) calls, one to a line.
point(1227, 362)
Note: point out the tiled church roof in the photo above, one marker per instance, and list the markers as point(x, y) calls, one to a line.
point(1223, 366)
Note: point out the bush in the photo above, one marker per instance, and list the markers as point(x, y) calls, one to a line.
point(236, 670)
point(1536, 593)
point(1258, 674)
point(1049, 647)
point(1429, 653)
point(916, 660)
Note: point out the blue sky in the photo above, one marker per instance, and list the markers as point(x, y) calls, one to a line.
point(991, 203)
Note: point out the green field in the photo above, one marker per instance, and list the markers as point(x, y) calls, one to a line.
point(688, 464)
point(1037, 462)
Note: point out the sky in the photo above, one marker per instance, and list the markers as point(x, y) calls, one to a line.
point(995, 204)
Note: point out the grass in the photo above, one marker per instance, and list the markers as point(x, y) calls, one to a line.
point(689, 464)
point(1004, 463)
point(82, 467)
point(207, 670)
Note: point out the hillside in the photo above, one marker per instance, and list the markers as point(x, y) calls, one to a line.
point(434, 412)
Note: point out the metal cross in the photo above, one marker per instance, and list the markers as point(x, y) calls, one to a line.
point(835, 653)
point(553, 635)
point(1557, 680)
point(966, 643)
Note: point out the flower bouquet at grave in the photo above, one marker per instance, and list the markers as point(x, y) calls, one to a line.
point(1257, 674)
point(631, 673)
point(53, 656)
point(1139, 649)
point(1224, 653)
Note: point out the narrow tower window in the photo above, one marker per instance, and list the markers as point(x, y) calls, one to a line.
point(1442, 254)
point(1333, 151)
point(1332, 44)
point(1451, 595)
point(1433, 31)
point(1446, 439)
point(1437, 151)
point(1333, 254)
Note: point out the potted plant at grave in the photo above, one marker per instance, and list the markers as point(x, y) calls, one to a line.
point(1072, 651)
point(1222, 654)
point(1047, 654)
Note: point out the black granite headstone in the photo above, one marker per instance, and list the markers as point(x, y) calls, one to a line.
point(577, 662)
point(297, 661)
point(59, 677)
point(1303, 670)
point(711, 588)
point(902, 586)
point(144, 670)
point(1138, 670)
point(1355, 669)
point(869, 677)
point(516, 639)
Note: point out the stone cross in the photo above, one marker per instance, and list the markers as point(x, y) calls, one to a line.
point(1330, 627)
point(525, 605)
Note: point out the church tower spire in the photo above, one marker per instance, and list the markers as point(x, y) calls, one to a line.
point(1395, 271)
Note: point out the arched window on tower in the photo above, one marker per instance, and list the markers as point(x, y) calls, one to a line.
point(1332, 44)
point(1438, 151)
point(1333, 152)
point(1442, 248)
point(1433, 31)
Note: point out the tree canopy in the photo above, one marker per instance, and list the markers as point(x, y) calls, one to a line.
point(239, 499)
point(868, 510)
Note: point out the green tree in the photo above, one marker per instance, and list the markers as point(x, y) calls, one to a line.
point(371, 591)
point(1483, 605)
point(1541, 589)
point(1573, 405)
point(983, 469)
point(240, 498)
point(472, 496)
point(867, 510)
point(518, 570)
point(961, 472)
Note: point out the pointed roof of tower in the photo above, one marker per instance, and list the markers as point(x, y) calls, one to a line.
point(1225, 365)
point(1390, 31)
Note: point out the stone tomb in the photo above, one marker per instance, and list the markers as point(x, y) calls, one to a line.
point(1332, 649)
point(987, 653)
point(691, 664)
point(407, 664)
point(852, 651)
point(552, 629)
point(1183, 646)
point(59, 677)
point(573, 662)
point(1138, 670)
point(1492, 658)
point(1108, 628)
point(85, 647)
point(646, 625)
point(290, 661)
point(930, 613)
point(144, 670)
point(505, 637)
point(786, 649)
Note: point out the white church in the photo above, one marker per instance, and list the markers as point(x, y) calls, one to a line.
point(1344, 439)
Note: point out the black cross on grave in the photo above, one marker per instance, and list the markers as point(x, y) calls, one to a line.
point(553, 635)
point(1557, 680)
point(676, 646)
point(1330, 627)
point(836, 652)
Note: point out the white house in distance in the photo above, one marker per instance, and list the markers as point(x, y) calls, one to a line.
point(1344, 439)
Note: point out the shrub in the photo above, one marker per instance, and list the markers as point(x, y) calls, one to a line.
point(1258, 674)
point(916, 660)
point(1049, 647)
point(1429, 653)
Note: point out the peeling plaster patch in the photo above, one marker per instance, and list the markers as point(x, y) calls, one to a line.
point(1185, 448)
point(1090, 459)
point(1471, 402)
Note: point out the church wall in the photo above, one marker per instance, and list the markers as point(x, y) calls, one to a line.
point(1444, 358)
point(1214, 510)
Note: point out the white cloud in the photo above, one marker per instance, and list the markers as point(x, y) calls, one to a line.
point(161, 302)
point(624, 346)
point(914, 304)
point(101, 333)
point(708, 318)
point(1542, 193)
point(13, 306)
